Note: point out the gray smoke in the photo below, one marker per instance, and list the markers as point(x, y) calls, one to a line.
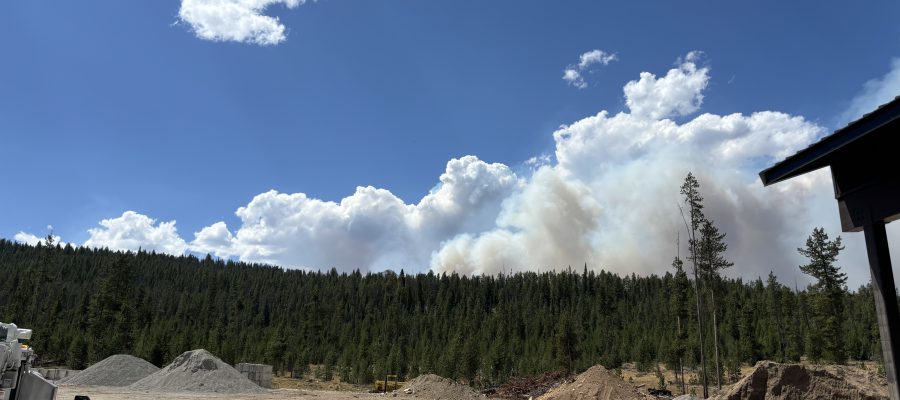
point(607, 198)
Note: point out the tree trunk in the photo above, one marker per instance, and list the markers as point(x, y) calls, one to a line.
point(700, 325)
point(680, 359)
point(712, 293)
point(716, 342)
point(779, 319)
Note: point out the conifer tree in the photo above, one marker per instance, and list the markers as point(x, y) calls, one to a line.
point(827, 292)
point(111, 313)
point(712, 253)
point(566, 346)
point(481, 328)
point(679, 299)
point(275, 349)
point(690, 189)
point(776, 342)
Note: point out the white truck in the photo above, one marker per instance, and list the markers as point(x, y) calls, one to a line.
point(17, 380)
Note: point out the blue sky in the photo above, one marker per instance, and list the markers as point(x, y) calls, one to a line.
point(111, 106)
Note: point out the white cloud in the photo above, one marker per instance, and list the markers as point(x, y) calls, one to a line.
point(215, 239)
point(573, 74)
point(595, 57)
point(371, 229)
point(33, 240)
point(133, 231)
point(679, 92)
point(875, 93)
point(27, 238)
point(574, 78)
point(608, 198)
point(235, 20)
point(538, 161)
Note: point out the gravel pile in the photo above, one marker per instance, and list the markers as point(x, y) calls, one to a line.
point(596, 384)
point(198, 371)
point(117, 370)
point(434, 387)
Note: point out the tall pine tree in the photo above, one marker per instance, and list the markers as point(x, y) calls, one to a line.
point(827, 293)
point(690, 189)
point(712, 255)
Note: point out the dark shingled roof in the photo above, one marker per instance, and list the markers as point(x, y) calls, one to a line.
point(818, 155)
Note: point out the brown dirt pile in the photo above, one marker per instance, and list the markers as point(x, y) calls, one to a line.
point(529, 386)
point(771, 380)
point(434, 387)
point(596, 384)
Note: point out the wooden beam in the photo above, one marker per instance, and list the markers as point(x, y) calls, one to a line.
point(885, 302)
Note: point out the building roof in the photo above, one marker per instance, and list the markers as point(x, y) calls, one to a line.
point(822, 153)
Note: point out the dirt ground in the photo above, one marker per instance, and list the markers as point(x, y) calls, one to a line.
point(786, 381)
point(309, 388)
point(113, 393)
point(309, 383)
point(646, 380)
point(597, 383)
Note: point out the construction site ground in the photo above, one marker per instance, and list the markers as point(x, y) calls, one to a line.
point(310, 388)
point(646, 380)
point(114, 393)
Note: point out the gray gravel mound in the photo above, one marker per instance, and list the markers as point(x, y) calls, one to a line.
point(198, 371)
point(117, 370)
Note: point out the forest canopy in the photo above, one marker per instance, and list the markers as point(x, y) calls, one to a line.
point(85, 304)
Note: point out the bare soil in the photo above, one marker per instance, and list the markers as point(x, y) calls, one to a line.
point(434, 387)
point(124, 393)
point(644, 380)
point(595, 383)
point(519, 388)
point(771, 380)
point(310, 383)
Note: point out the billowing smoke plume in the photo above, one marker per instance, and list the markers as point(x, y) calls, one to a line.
point(609, 199)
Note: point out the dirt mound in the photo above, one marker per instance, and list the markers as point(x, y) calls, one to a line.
point(595, 383)
point(771, 380)
point(434, 387)
point(198, 371)
point(117, 370)
point(529, 386)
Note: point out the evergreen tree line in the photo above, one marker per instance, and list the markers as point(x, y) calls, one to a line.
point(86, 304)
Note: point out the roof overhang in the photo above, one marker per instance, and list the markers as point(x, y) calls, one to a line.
point(825, 152)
